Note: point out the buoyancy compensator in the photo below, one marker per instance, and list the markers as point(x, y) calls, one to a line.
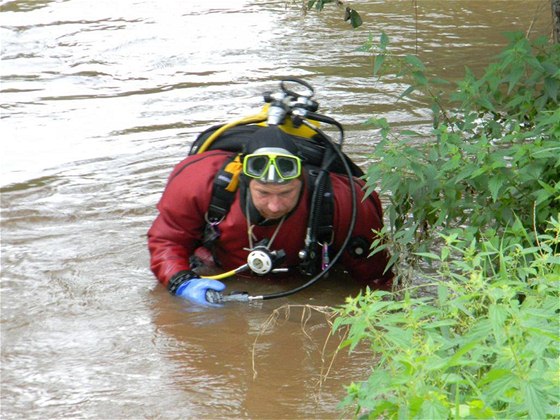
point(293, 110)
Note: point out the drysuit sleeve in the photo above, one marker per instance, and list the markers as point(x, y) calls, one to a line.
point(177, 230)
point(367, 270)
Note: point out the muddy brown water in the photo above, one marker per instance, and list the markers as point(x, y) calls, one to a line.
point(98, 101)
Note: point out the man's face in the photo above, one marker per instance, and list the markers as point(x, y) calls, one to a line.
point(275, 200)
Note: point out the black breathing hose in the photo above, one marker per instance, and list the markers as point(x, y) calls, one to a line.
point(350, 227)
point(328, 120)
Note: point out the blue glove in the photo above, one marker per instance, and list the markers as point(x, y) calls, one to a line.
point(195, 290)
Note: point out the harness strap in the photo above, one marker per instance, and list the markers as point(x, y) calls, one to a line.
point(225, 185)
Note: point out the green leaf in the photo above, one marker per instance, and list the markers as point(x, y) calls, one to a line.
point(440, 323)
point(415, 62)
point(410, 133)
point(456, 358)
point(377, 63)
point(429, 255)
point(551, 88)
point(514, 76)
point(476, 409)
point(534, 399)
point(498, 383)
point(494, 185)
point(355, 18)
point(498, 315)
point(420, 78)
point(402, 339)
point(433, 409)
point(383, 41)
point(443, 294)
point(493, 375)
point(407, 92)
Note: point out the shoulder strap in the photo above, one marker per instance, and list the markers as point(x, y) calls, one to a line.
point(225, 185)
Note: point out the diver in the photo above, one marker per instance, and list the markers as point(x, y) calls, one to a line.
point(265, 217)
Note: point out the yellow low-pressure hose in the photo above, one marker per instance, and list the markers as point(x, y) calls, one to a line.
point(227, 273)
point(247, 120)
point(262, 116)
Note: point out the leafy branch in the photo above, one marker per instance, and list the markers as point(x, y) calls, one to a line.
point(350, 15)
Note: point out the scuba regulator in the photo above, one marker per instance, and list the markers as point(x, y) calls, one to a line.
point(262, 260)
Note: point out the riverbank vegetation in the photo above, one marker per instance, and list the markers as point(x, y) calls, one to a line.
point(474, 232)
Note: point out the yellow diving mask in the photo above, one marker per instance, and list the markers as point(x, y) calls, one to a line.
point(272, 165)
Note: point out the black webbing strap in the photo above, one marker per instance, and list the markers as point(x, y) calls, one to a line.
point(326, 215)
point(223, 191)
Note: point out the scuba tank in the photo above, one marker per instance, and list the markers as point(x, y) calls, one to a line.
point(293, 110)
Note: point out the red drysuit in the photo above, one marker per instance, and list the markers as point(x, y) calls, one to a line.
point(177, 231)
